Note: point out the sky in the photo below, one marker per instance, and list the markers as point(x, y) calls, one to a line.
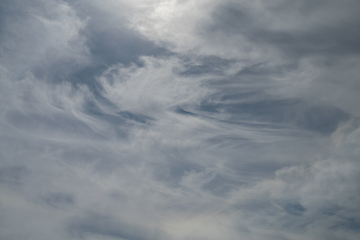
point(179, 119)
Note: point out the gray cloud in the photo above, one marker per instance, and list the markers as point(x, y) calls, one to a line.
point(12, 174)
point(179, 120)
point(107, 226)
point(331, 24)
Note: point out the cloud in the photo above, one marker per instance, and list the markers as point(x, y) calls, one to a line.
point(106, 226)
point(42, 37)
point(179, 120)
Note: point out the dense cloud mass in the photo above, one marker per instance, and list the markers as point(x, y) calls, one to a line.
point(180, 119)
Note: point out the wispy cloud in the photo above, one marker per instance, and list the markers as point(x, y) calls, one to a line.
point(179, 119)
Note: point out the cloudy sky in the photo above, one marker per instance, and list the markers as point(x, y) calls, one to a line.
point(179, 119)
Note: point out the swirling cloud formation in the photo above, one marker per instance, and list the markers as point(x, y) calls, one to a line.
point(179, 119)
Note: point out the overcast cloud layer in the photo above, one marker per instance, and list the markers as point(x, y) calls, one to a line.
point(179, 119)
